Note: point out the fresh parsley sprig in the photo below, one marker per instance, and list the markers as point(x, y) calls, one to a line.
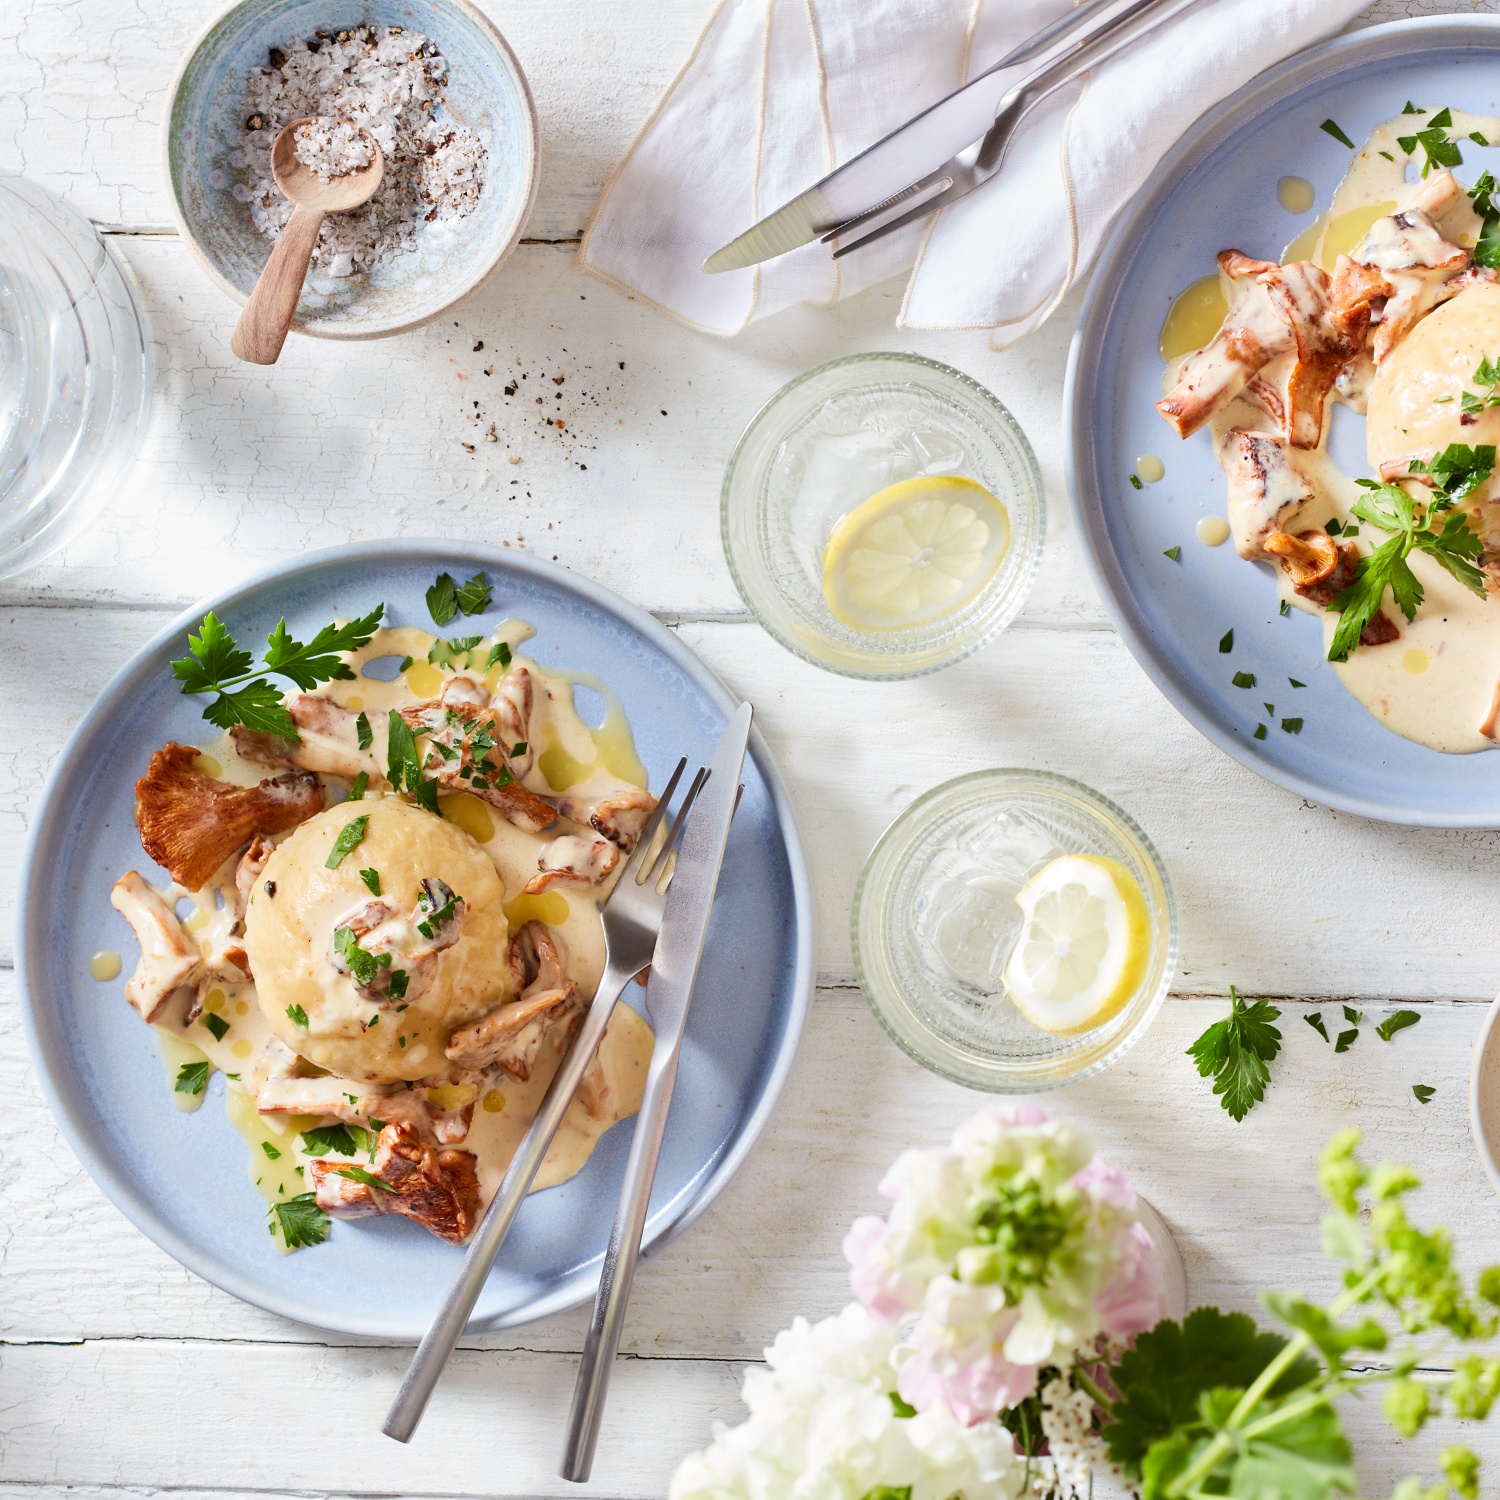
point(301, 1221)
point(1486, 377)
point(1236, 1053)
point(446, 598)
point(1457, 470)
point(1486, 251)
point(217, 664)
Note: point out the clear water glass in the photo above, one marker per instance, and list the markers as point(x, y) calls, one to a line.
point(935, 919)
point(75, 374)
point(828, 441)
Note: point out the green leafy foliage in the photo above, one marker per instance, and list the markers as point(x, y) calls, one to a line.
point(369, 1179)
point(216, 664)
point(1315, 1020)
point(301, 1221)
point(1433, 142)
point(351, 836)
point(451, 653)
point(1330, 128)
point(342, 1140)
point(365, 734)
point(216, 1024)
point(1424, 1092)
point(1236, 1052)
point(404, 765)
point(192, 1078)
point(445, 598)
point(1458, 470)
point(1398, 1020)
point(371, 879)
point(298, 1016)
point(1172, 1365)
point(499, 652)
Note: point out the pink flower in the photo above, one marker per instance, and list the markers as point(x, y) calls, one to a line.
point(1106, 1184)
point(1133, 1301)
point(875, 1274)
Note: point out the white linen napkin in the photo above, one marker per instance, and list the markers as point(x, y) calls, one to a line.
point(779, 92)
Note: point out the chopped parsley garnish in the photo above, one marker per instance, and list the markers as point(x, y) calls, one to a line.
point(1270, 708)
point(1486, 377)
point(1286, 608)
point(1226, 643)
point(1398, 1020)
point(1260, 732)
point(1236, 1053)
point(1411, 109)
point(301, 1221)
point(216, 664)
point(1295, 683)
point(1329, 128)
point(440, 918)
point(499, 652)
point(399, 980)
point(371, 879)
point(406, 662)
point(1333, 526)
point(1458, 469)
point(351, 836)
point(401, 1041)
point(1354, 1017)
point(357, 787)
point(1424, 1092)
point(445, 598)
point(518, 749)
point(365, 734)
point(270, 1150)
point(345, 1140)
point(1315, 1020)
point(404, 768)
point(364, 966)
point(1292, 726)
point(446, 653)
point(1478, 139)
point(369, 1179)
point(1244, 679)
point(298, 1015)
point(1135, 482)
point(1346, 1039)
point(1173, 552)
point(216, 1024)
point(1437, 149)
point(192, 1078)
point(1387, 155)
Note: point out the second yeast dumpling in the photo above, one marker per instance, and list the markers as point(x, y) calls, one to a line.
point(289, 936)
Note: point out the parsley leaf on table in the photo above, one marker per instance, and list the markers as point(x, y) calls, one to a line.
point(445, 598)
point(1315, 1020)
point(1458, 469)
point(1398, 1020)
point(1424, 1092)
point(301, 1221)
point(216, 664)
point(474, 596)
point(1235, 1053)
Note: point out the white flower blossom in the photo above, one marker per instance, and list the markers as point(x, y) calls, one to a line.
point(823, 1426)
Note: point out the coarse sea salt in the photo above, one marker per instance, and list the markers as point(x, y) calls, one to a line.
point(380, 79)
point(331, 148)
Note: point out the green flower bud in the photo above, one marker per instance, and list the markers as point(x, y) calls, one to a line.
point(1406, 1406)
point(1460, 1465)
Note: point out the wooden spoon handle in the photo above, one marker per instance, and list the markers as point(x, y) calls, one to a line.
point(261, 330)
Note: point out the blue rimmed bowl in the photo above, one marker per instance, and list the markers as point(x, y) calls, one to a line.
point(486, 91)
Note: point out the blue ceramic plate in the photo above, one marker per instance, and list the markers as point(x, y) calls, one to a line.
point(1218, 189)
point(181, 1178)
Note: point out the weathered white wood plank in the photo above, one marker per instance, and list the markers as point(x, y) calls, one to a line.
point(1274, 894)
point(247, 466)
point(1241, 1199)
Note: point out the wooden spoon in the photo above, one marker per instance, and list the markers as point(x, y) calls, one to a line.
point(262, 328)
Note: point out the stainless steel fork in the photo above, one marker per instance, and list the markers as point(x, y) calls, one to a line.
point(632, 919)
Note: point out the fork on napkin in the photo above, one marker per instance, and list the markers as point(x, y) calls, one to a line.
point(779, 92)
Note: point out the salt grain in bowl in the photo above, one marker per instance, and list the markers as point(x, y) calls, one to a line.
point(389, 82)
point(331, 148)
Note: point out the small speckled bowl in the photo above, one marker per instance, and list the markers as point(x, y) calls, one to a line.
point(486, 91)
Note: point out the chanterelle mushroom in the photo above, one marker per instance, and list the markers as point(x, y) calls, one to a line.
point(169, 956)
point(1308, 558)
point(1265, 488)
point(191, 823)
point(437, 1189)
point(328, 740)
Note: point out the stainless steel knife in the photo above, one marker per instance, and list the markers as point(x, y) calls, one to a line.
point(951, 147)
point(674, 968)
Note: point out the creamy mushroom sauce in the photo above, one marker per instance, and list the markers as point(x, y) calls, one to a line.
point(1434, 684)
point(573, 757)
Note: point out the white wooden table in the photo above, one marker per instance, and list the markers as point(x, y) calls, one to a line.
point(120, 1370)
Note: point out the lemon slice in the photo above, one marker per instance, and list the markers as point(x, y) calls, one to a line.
point(1085, 939)
point(914, 552)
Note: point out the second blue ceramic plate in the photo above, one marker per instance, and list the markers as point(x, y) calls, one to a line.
point(182, 1179)
point(1218, 189)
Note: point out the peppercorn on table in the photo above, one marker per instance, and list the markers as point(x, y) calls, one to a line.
point(549, 412)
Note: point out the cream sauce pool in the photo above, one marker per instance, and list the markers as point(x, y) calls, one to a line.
point(574, 756)
point(1435, 682)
